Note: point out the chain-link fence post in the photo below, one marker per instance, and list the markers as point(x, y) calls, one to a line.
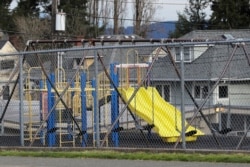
point(182, 100)
point(96, 108)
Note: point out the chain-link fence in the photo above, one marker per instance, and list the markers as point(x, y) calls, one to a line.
point(127, 92)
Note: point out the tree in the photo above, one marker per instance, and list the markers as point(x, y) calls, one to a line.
point(116, 17)
point(78, 21)
point(27, 8)
point(193, 18)
point(103, 12)
point(230, 14)
point(33, 28)
point(29, 23)
point(144, 11)
point(6, 22)
point(93, 7)
point(118, 13)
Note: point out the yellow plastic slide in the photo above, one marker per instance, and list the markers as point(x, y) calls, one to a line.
point(151, 107)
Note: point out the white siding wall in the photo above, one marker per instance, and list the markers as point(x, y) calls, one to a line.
point(239, 95)
point(5, 74)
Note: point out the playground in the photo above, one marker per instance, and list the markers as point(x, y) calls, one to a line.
point(94, 96)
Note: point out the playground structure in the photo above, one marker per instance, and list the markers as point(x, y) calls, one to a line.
point(149, 105)
point(118, 97)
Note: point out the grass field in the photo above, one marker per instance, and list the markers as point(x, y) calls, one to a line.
point(135, 155)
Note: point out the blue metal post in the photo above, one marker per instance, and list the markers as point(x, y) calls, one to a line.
point(114, 105)
point(96, 115)
point(84, 109)
point(51, 118)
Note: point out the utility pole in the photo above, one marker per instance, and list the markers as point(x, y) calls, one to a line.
point(53, 16)
point(53, 31)
point(116, 15)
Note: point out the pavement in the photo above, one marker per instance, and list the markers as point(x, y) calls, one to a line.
point(9, 161)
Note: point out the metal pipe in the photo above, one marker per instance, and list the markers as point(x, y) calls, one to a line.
point(21, 105)
point(96, 101)
point(160, 44)
point(183, 100)
point(152, 40)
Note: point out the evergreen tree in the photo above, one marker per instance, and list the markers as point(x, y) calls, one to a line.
point(27, 8)
point(28, 21)
point(77, 20)
point(6, 22)
point(77, 23)
point(193, 18)
point(230, 14)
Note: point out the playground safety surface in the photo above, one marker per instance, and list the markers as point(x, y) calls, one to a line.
point(136, 139)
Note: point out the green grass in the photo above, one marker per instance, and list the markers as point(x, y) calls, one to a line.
point(191, 157)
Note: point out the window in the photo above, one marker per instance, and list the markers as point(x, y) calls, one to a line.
point(200, 91)
point(223, 91)
point(197, 92)
point(204, 91)
point(7, 64)
point(164, 91)
point(186, 52)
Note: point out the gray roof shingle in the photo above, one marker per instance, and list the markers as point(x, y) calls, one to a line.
point(2, 43)
point(217, 34)
point(211, 63)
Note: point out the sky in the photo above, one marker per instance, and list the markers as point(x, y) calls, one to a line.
point(13, 4)
point(167, 9)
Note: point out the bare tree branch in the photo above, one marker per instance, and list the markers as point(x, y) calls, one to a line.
point(144, 11)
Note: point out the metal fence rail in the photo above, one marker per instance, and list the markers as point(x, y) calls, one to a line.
point(127, 93)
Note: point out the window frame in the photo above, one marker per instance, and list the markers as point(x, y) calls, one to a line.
point(201, 93)
point(220, 91)
point(187, 54)
point(10, 64)
point(162, 91)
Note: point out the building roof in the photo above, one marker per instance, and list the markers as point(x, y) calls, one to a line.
point(217, 34)
point(210, 64)
point(2, 43)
